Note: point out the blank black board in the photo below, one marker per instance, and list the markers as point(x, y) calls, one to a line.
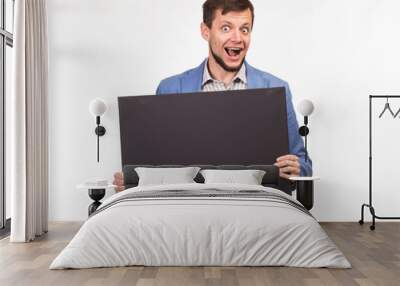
point(243, 127)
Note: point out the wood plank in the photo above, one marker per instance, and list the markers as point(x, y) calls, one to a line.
point(375, 257)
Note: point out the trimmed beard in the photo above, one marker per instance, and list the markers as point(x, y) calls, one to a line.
point(223, 65)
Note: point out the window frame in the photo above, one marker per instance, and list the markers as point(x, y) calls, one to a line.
point(6, 39)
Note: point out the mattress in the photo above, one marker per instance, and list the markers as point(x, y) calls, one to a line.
point(201, 225)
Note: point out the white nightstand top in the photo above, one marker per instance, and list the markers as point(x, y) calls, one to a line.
point(304, 178)
point(87, 187)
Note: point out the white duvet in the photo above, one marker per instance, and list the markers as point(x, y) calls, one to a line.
point(200, 231)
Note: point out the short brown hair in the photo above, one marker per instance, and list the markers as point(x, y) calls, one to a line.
point(210, 6)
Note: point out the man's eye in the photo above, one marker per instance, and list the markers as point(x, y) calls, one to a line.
point(225, 29)
point(245, 30)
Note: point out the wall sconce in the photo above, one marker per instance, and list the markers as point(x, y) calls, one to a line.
point(97, 108)
point(305, 107)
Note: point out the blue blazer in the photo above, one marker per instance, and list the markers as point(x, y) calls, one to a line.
point(191, 80)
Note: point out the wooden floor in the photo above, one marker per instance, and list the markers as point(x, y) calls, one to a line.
point(375, 257)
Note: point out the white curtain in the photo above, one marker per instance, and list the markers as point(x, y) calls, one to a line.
point(28, 123)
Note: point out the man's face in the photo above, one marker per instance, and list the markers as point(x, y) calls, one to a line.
point(229, 38)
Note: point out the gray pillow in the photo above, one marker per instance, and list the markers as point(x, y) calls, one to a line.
point(248, 177)
point(165, 176)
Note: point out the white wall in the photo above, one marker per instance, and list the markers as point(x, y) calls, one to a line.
point(335, 53)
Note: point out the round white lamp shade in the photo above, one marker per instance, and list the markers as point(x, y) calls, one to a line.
point(97, 107)
point(305, 107)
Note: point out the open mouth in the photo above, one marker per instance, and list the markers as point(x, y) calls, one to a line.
point(233, 52)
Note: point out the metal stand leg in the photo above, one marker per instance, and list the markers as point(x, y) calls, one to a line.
point(374, 216)
point(372, 210)
point(361, 221)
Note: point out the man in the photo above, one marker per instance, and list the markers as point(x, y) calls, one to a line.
point(227, 26)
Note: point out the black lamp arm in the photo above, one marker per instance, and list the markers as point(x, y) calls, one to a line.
point(99, 131)
point(304, 131)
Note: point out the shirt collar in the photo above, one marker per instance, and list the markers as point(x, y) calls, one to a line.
point(241, 75)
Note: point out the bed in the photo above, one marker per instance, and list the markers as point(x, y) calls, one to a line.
point(200, 223)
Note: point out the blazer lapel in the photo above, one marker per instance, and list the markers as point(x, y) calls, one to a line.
point(191, 82)
point(254, 78)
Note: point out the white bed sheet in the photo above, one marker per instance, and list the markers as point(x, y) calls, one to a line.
point(200, 232)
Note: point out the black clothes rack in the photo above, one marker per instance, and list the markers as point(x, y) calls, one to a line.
point(369, 205)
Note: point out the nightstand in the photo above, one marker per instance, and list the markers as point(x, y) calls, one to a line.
point(96, 193)
point(305, 190)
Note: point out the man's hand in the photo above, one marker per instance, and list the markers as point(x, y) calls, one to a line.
point(289, 166)
point(119, 182)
